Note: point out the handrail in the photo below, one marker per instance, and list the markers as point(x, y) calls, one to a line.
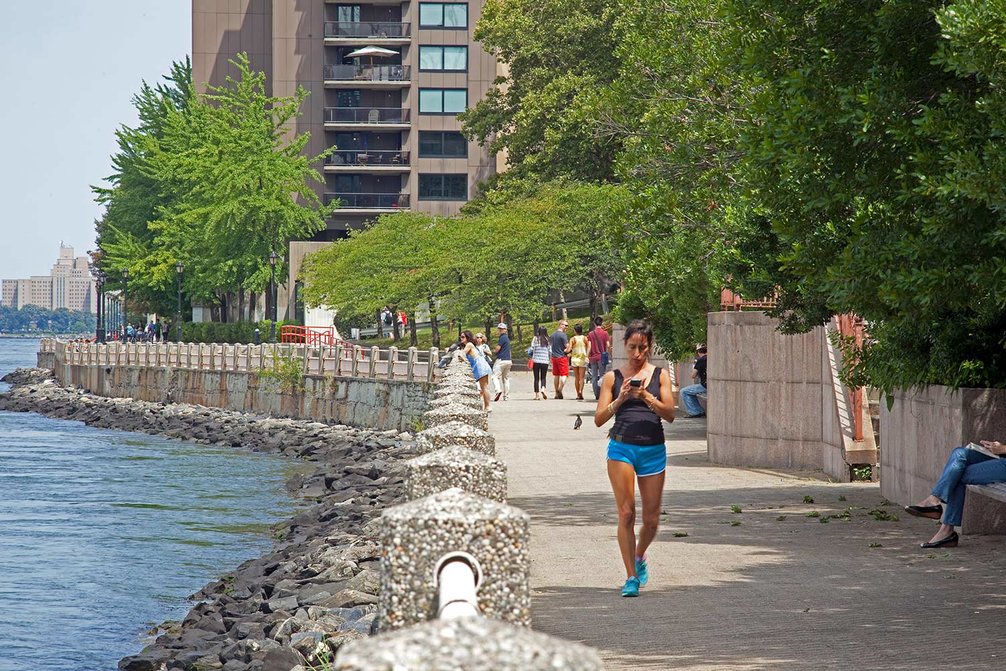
point(373, 73)
point(367, 115)
point(365, 157)
point(339, 358)
point(371, 29)
point(370, 201)
point(852, 326)
point(731, 301)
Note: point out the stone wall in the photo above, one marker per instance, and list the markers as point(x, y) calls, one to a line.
point(922, 427)
point(772, 400)
point(362, 402)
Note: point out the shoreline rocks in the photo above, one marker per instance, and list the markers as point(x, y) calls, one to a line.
point(317, 588)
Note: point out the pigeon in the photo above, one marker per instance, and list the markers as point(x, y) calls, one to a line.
point(578, 423)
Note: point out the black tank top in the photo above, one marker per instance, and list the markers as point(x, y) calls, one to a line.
point(635, 423)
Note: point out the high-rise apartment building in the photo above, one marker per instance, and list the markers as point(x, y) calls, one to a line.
point(69, 285)
point(386, 81)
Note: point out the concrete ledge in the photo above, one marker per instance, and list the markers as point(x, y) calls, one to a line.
point(456, 466)
point(985, 509)
point(469, 643)
point(457, 413)
point(456, 433)
point(414, 536)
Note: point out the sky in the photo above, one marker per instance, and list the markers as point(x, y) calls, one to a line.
point(68, 70)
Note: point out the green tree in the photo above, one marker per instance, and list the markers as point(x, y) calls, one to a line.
point(557, 55)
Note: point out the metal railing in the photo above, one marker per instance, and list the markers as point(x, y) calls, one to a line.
point(374, 29)
point(341, 358)
point(374, 115)
point(731, 301)
point(375, 201)
point(365, 157)
point(367, 73)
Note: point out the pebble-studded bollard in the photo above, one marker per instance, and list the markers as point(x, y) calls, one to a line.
point(471, 643)
point(455, 433)
point(414, 536)
point(456, 466)
point(457, 399)
point(457, 387)
point(456, 413)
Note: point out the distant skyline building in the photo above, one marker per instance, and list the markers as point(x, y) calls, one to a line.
point(386, 80)
point(68, 285)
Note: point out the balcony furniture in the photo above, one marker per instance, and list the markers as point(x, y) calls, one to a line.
point(374, 116)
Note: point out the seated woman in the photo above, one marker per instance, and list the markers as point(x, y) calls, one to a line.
point(964, 467)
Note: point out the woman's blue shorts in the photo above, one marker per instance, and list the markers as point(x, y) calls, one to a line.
point(645, 459)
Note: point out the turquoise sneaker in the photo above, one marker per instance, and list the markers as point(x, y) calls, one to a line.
point(631, 587)
point(642, 572)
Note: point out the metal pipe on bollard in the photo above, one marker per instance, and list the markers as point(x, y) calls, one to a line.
point(458, 577)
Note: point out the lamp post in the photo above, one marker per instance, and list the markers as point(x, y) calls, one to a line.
point(273, 258)
point(99, 284)
point(125, 300)
point(179, 269)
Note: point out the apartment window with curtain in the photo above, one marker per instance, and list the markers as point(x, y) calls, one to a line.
point(443, 187)
point(444, 59)
point(443, 15)
point(443, 101)
point(446, 144)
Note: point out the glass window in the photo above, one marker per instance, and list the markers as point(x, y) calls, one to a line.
point(442, 144)
point(443, 187)
point(443, 58)
point(443, 15)
point(431, 58)
point(442, 101)
point(455, 100)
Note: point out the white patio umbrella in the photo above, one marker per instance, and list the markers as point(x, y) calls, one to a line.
point(371, 52)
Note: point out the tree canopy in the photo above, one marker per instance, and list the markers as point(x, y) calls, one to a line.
point(222, 184)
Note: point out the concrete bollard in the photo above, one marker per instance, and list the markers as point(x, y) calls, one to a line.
point(415, 535)
point(455, 433)
point(449, 390)
point(457, 399)
point(456, 413)
point(466, 385)
point(468, 643)
point(456, 466)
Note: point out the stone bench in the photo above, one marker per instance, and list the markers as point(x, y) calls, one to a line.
point(985, 509)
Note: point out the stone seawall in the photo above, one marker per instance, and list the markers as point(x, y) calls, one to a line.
point(360, 402)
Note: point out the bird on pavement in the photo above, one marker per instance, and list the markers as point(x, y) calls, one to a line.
point(578, 423)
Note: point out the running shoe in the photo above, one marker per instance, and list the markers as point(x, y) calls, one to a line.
point(631, 587)
point(642, 571)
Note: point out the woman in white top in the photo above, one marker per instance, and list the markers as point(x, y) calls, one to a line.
point(540, 352)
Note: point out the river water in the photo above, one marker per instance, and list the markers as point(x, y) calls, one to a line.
point(104, 533)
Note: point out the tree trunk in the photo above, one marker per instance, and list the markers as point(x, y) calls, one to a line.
point(434, 327)
point(413, 338)
point(604, 303)
point(593, 305)
point(252, 305)
point(380, 325)
point(395, 326)
point(562, 299)
point(241, 304)
point(489, 328)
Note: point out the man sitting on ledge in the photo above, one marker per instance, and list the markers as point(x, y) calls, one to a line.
point(690, 394)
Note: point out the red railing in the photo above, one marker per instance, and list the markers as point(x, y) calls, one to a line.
point(731, 301)
point(308, 335)
point(851, 326)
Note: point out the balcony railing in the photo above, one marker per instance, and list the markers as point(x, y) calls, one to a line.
point(366, 29)
point(374, 115)
point(367, 73)
point(366, 157)
point(370, 201)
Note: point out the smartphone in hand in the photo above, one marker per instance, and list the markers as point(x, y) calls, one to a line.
point(635, 383)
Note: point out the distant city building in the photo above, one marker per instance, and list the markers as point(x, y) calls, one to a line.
point(69, 285)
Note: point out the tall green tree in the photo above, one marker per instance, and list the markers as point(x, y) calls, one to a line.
point(556, 56)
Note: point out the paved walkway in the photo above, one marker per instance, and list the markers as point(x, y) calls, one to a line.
point(767, 588)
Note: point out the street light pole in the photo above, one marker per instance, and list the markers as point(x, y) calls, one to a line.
point(273, 258)
point(125, 300)
point(99, 283)
point(179, 268)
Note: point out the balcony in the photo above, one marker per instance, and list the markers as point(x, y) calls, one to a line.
point(368, 161)
point(354, 117)
point(352, 203)
point(367, 76)
point(367, 32)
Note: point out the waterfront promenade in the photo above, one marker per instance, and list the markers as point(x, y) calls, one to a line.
point(766, 588)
